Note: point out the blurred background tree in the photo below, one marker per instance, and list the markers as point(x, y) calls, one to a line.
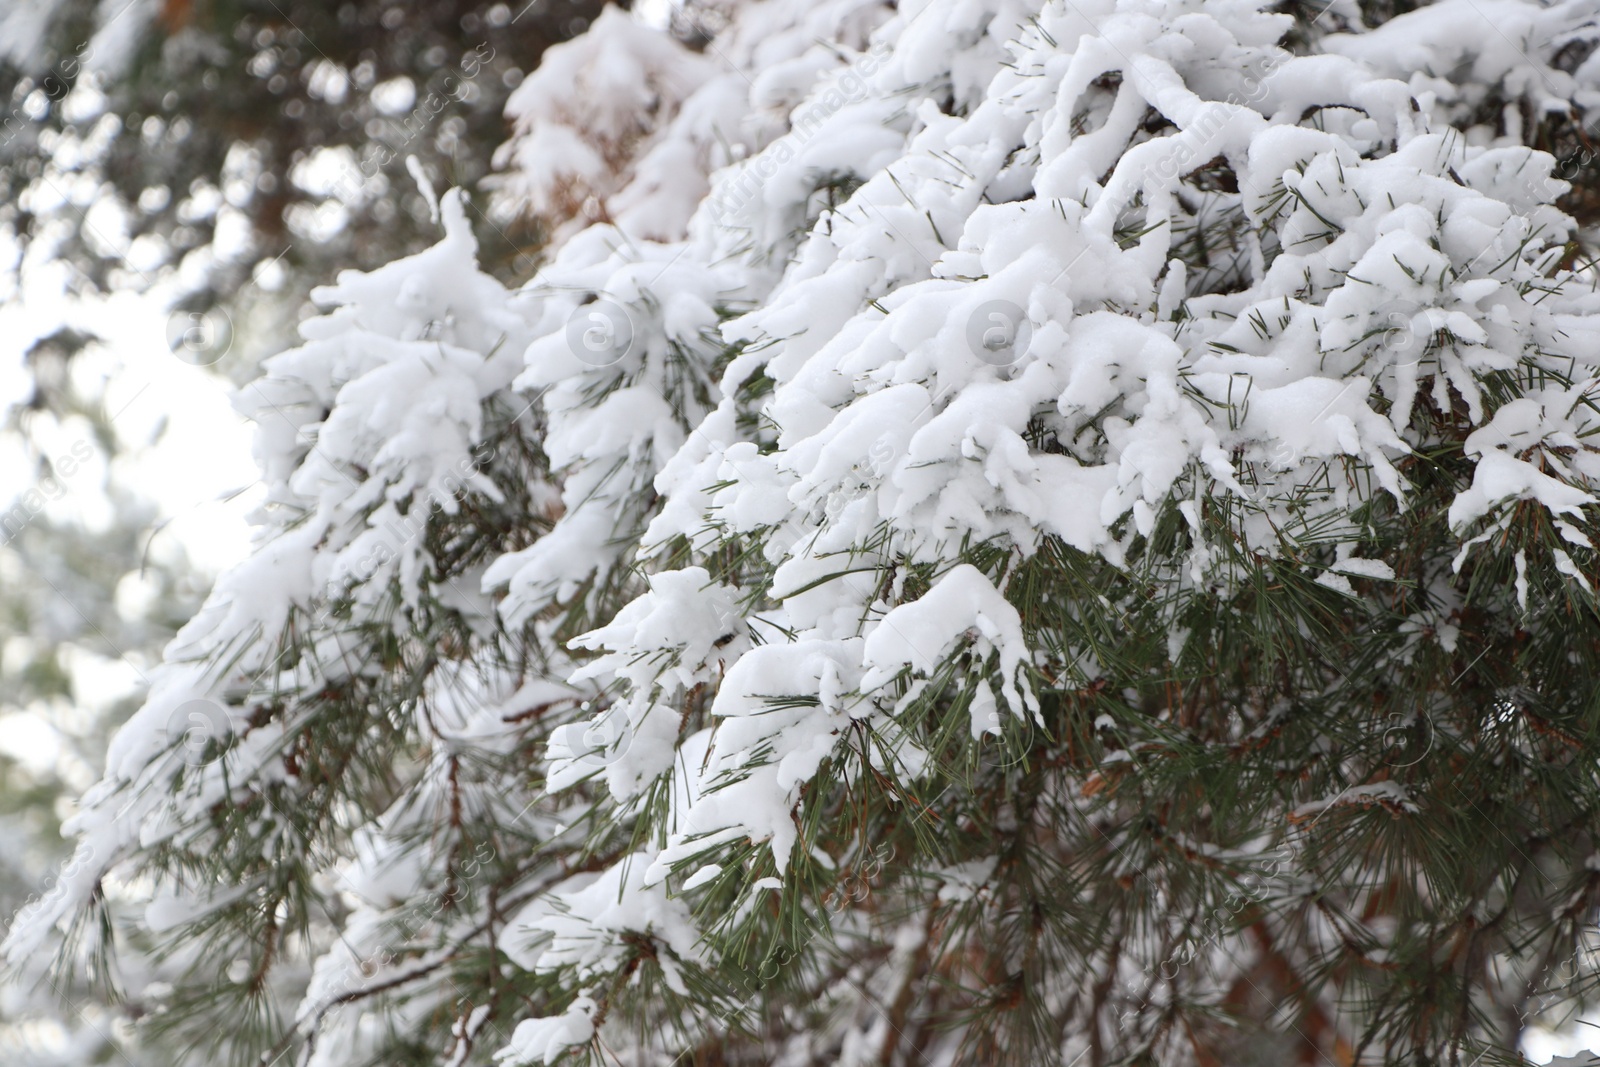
point(265, 141)
point(223, 157)
point(87, 600)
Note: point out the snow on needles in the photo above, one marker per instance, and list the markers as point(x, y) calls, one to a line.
point(938, 285)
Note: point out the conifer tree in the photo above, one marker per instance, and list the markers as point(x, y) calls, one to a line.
point(1076, 548)
point(265, 141)
point(90, 594)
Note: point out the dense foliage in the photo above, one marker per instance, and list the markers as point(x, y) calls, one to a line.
point(1002, 532)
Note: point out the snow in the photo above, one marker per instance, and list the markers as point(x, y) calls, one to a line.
point(588, 929)
point(808, 337)
point(23, 25)
point(1391, 795)
point(921, 635)
point(545, 1040)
